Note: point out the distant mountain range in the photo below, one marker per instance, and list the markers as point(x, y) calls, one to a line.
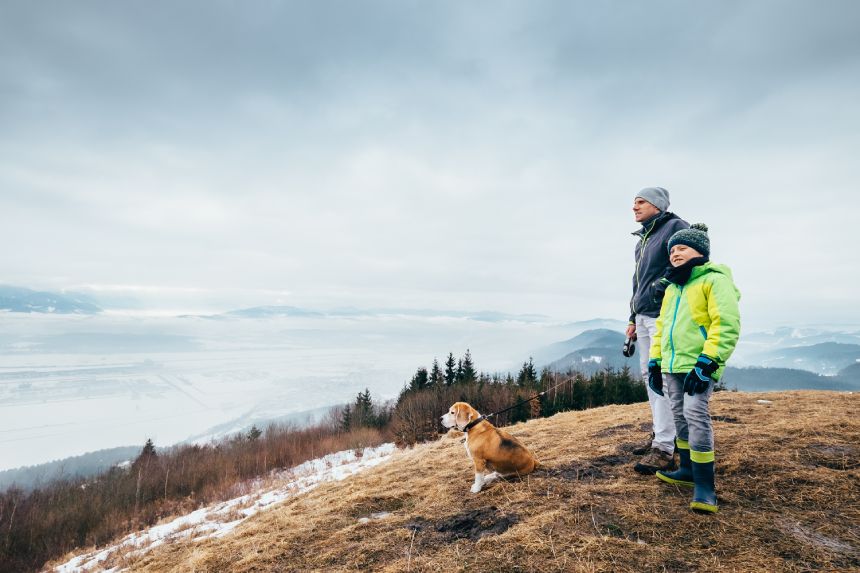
point(17, 299)
point(85, 465)
point(824, 358)
point(755, 379)
point(93, 463)
point(589, 352)
point(824, 366)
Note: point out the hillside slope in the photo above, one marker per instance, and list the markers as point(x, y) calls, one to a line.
point(788, 480)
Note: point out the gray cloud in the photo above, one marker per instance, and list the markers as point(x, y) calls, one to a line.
point(449, 154)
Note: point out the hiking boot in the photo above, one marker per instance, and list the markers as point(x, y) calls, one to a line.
point(655, 460)
point(644, 447)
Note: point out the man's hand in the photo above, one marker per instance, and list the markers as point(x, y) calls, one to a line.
point(631, 331)
point(700, 377)
point(655, 376)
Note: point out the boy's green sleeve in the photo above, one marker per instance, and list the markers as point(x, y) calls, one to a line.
point(725, 318)
point(656, 350)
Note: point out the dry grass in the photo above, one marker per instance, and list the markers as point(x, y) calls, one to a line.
point(788, 481)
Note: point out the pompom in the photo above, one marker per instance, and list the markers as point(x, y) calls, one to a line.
point(699, 227)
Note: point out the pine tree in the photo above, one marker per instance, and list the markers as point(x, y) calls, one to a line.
point(419, 380)
point(450, 374)
point(254, 433)
point(346, 418)
point(363, 410)
point(468, 369)
point(527, 376)
point(436, 378)
point(147, 454)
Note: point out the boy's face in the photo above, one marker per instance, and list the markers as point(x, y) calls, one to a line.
point(680, 254)
point(643, 210)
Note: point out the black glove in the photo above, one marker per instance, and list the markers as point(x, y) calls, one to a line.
point(700, 377)
point(655, 376)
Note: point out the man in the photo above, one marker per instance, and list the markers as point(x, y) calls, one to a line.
point(651, 209)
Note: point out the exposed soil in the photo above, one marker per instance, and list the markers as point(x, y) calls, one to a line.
point(589, 469)
point(726, 419)
point(475, 524)
point(833, 456)
point(620, 428)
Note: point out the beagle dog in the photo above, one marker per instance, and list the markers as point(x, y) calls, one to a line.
point(494, 452)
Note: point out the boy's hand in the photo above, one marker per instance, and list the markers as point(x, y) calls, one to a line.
point(655, 376)
point(699, 378)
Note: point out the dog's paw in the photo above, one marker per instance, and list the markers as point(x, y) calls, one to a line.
point(475, 488)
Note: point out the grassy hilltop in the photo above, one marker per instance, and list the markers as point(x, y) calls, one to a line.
point(788, 478)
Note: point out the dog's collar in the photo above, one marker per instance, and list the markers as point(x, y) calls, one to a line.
point(474, 423)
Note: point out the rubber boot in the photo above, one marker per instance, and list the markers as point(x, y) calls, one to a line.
point(704, 494)
point(684, 474)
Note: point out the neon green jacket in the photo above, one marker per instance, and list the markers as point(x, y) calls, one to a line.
point(701, 317)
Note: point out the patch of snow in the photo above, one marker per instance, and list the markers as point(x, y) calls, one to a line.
point(764, 401)
point(220, 519)
point(595, 359)
point(374, 516)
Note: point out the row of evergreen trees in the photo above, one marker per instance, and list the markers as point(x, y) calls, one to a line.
point(414, 416)
point(461, 371)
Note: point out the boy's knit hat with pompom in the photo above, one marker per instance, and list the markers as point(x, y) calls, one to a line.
point(696, 236)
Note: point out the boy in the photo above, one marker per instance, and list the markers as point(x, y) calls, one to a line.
point(697, 331)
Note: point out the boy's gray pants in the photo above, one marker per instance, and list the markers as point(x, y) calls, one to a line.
point(692, 416)
point(661, 411)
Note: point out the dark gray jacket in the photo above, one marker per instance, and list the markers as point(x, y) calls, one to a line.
point(652, 261)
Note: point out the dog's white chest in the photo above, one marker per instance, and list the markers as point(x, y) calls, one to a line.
point(466, 445)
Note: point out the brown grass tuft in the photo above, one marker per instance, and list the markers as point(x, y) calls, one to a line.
point(788, 480)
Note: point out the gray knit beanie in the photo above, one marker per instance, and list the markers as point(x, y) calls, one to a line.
point(696, 236)
point(657, 196)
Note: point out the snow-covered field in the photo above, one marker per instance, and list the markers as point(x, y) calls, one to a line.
point(75, 384)
point(220, 519)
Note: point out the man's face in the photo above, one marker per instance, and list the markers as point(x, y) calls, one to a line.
point(643, 210)
point(680, 254)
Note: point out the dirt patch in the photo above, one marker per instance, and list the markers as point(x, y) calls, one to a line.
point(726, 419)
point(375, 505)
point(608, 523)
point(628, 447)
point(473, 524)
point(577, 471)
point(606, 432)
point(589, 469)
point(833, 456)
point(818, 540)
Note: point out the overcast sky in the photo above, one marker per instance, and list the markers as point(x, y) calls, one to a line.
point(451, 155)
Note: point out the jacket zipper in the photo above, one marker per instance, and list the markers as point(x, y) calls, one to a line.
point(639, 262)
point(672, 330)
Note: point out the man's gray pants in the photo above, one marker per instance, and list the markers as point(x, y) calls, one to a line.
point(661, 411)
point(692, 414)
